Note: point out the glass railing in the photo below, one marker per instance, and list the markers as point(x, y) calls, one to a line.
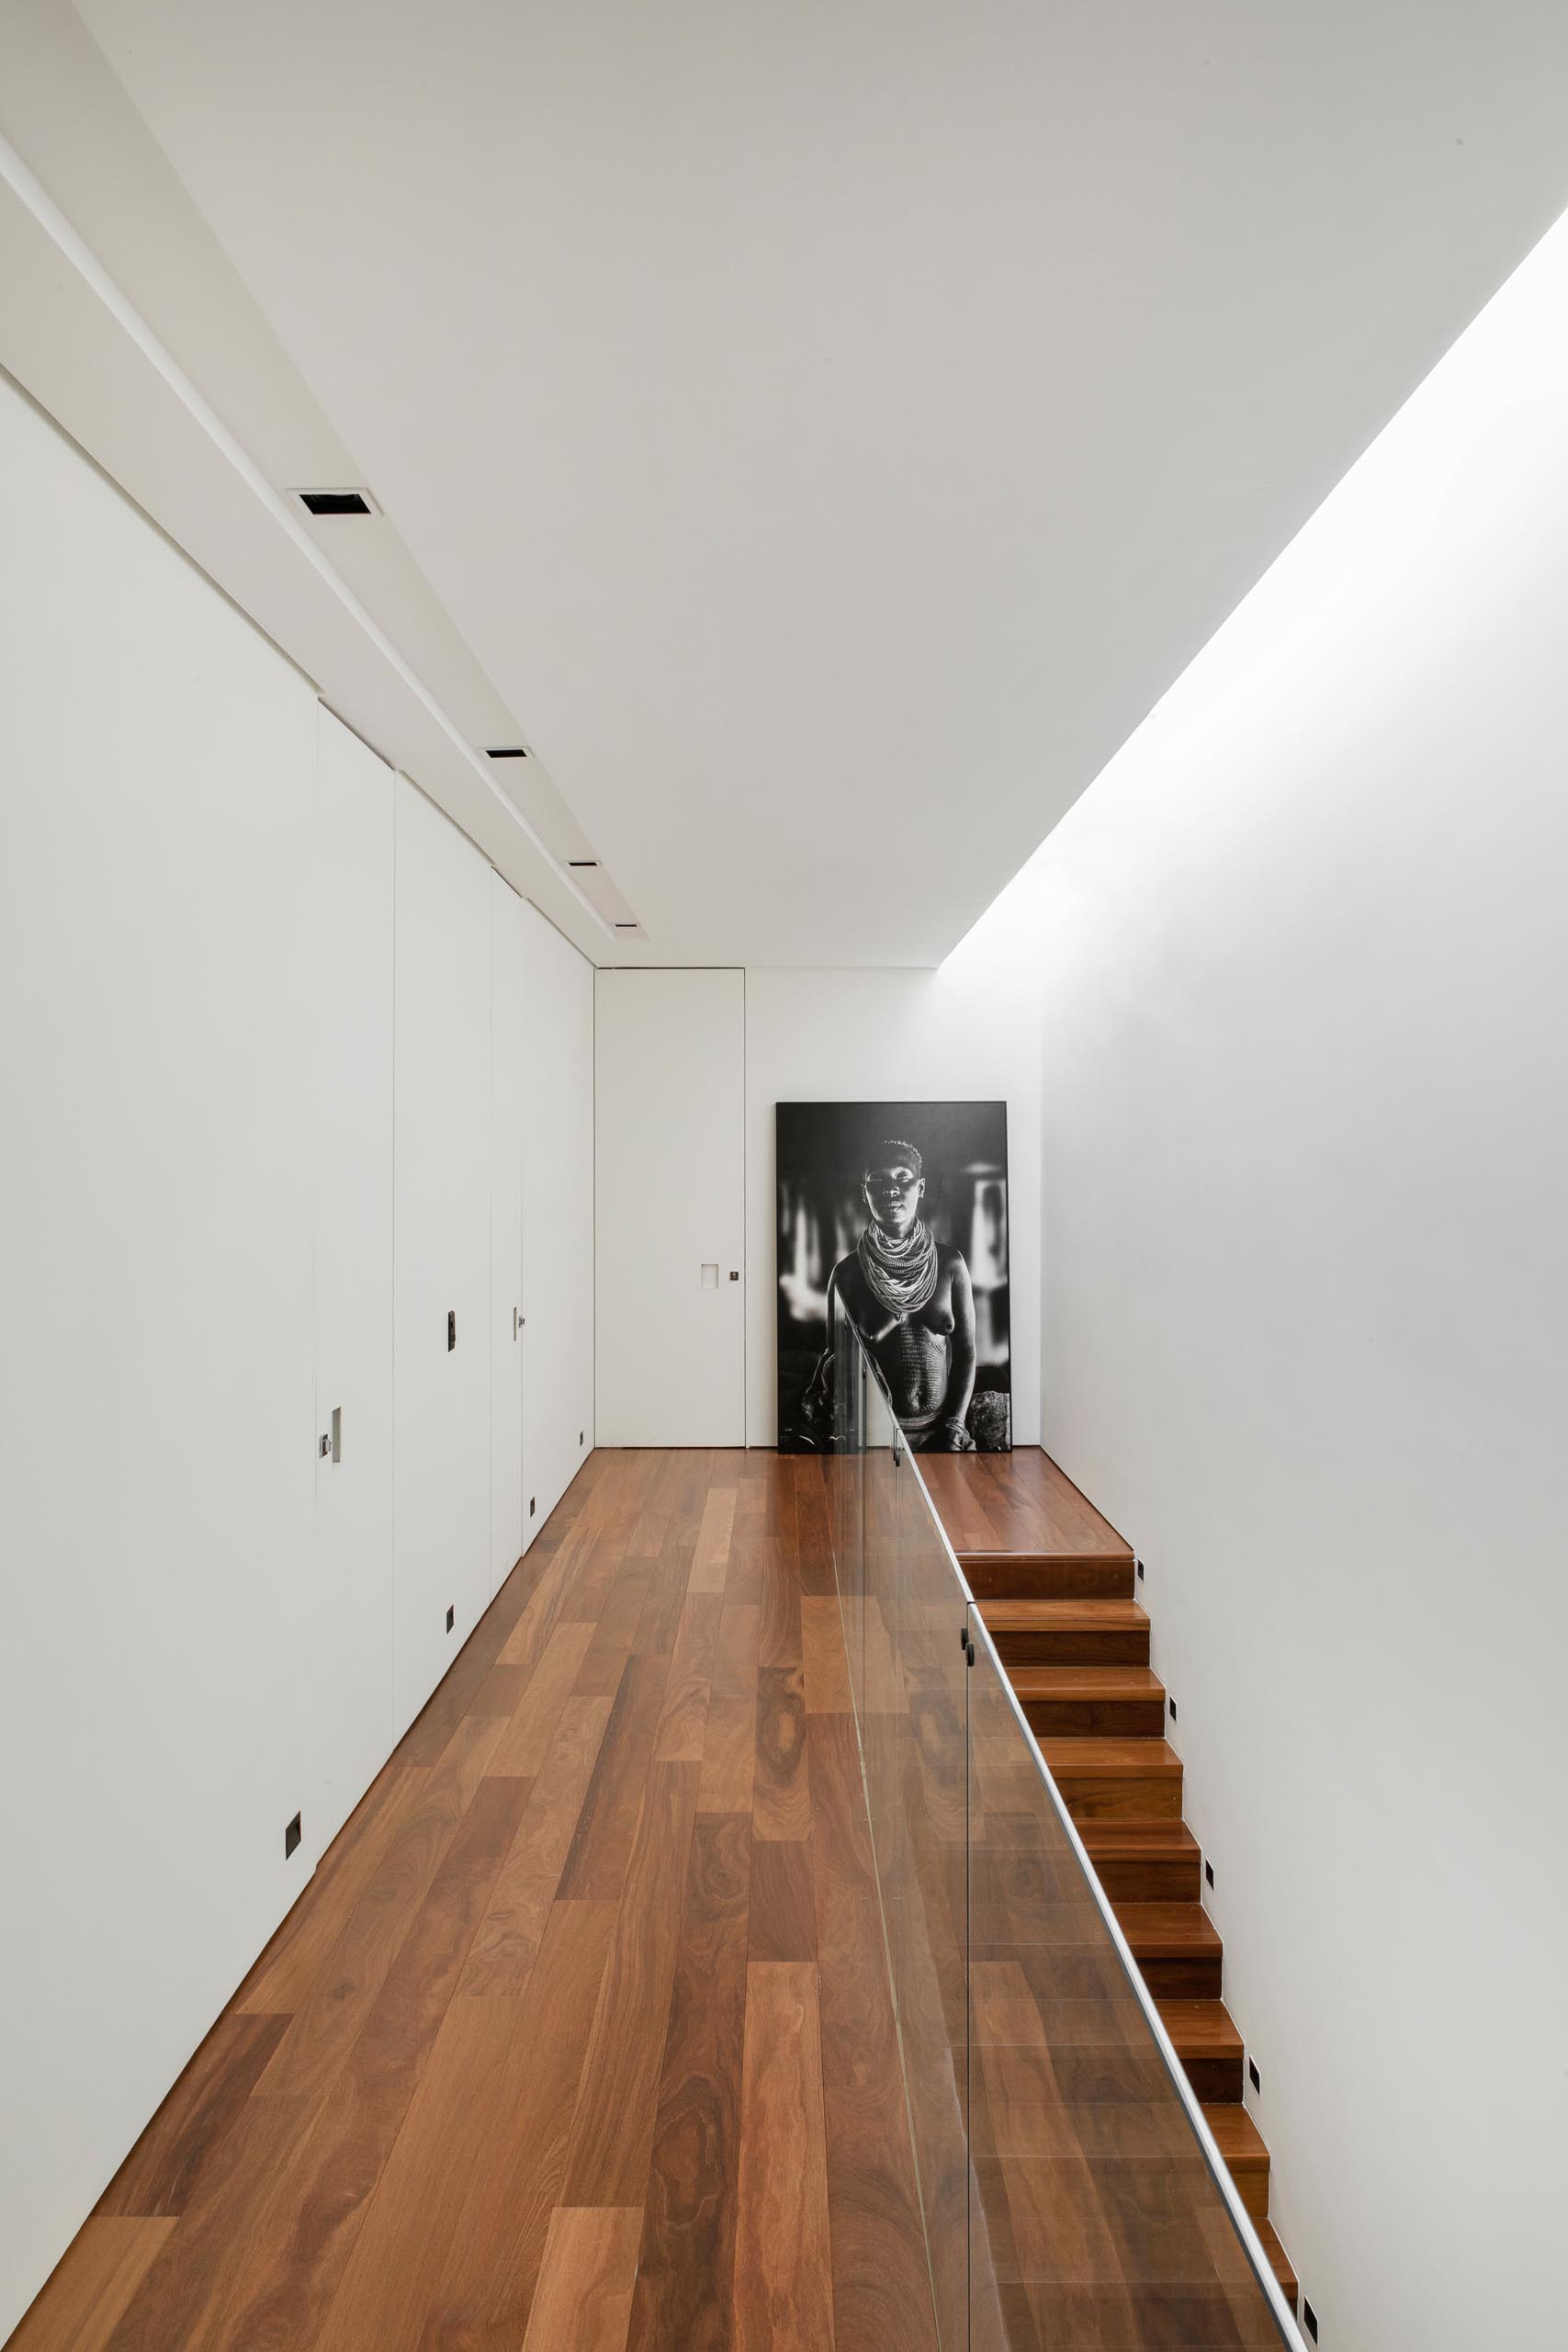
point(1070, 2193)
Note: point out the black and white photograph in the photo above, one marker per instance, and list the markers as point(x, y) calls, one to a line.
point(900, 1209)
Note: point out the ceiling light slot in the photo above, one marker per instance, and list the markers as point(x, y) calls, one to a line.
point(324, 502)
point(505, 751)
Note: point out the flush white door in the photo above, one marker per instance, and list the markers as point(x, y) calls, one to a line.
point(670, 1161)
point(508, 1332)
point(441, 1355)
point(350, 1716)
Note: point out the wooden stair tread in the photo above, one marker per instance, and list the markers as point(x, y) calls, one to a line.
point(1236, 2137)
point(1062, 1616)
point(1086, 1682)
point(1137, 1758)
point(1163, 1930)
point(1201, 2028)
point(1135, 1840)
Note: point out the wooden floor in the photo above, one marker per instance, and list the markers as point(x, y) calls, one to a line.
point(579, 2039)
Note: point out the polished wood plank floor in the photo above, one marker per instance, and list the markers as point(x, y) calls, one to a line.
point(580, 2036)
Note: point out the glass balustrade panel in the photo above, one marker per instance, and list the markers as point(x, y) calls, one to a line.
point(1095, 2218)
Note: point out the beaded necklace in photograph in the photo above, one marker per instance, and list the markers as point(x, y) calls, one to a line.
point(900, 1275)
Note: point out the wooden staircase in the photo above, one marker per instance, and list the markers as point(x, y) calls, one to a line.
point(1075, 1646)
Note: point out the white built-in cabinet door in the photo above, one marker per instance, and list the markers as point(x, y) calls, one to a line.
point(558, 1187)
point(350, 1716)
point(441, 1251)
point(508, 1331)
point(670, 1160)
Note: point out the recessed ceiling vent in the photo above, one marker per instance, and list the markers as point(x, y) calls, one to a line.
point(337, 502)
point(505, 751)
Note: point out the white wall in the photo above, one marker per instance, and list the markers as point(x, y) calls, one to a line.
point(157, 1412)
point(557, 1176)
point(197, 968)
point(969, 1030)
point(1305, 968)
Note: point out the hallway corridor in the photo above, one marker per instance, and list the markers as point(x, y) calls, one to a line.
point(580, 2036)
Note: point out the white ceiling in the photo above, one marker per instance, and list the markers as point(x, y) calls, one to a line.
point(830, 428)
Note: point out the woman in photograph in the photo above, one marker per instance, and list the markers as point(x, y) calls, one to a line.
point(910, 1297)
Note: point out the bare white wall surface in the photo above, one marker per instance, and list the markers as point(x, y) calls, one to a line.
point(441, 1210)
point(1305, 969)
point(558, 1190)
point(969, 1030)
point(670, 1054)
point(157, 1413)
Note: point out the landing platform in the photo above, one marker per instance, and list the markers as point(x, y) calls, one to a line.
point(1018, 1503)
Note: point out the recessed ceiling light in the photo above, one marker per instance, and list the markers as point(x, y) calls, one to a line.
point(505, 751)
point(628, 926)
point(583, 861)
point(336, 502)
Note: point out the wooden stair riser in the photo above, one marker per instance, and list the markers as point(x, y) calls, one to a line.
point(1074, 1645)
point(1191, 1978)
point(1213, 2077)
point(1177, 1948)
point(1209, 2047)
point(1173, 1878)
point(1241, 2145)
point(1095, 1718)
point(1252, 2178)
point(1015, 1576)
point(1284, 2270)
point(1153, 1861)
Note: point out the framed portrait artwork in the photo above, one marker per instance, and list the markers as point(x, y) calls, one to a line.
point(901, 1210)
